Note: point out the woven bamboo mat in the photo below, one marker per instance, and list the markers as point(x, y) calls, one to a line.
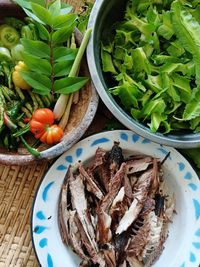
point(17, 189)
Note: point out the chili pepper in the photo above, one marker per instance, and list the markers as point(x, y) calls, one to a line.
point(30, 149)
point(13, 127)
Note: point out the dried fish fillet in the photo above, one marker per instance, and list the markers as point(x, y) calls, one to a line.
point(115, 212)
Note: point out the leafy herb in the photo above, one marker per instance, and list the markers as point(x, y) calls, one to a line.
point(154, 58)
point(49, 60)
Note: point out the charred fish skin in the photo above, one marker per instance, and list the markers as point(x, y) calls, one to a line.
point(116, 155)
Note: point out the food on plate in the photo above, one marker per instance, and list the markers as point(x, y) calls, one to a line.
point(39, 67)
point(115, 210)
point(153, 58)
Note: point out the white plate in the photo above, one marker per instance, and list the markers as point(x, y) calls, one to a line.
point(182, 248)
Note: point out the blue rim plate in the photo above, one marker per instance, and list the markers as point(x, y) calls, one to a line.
point(182, 248)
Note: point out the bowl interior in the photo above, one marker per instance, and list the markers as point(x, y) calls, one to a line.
point(81, 114)
point(104, 15)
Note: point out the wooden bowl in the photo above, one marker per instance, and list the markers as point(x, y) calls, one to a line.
point(81, 114)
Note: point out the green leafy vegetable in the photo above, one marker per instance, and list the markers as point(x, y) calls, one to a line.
point(154, 60)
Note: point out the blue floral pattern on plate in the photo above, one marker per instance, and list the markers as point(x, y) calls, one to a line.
point(45, 231)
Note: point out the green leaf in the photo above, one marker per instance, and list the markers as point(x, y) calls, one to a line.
point(36, 48)
point(154, 106)
point(188, 31)
point(65, 8)
point(32, 16)
point(128, 94)
point(63, 34)
point(23, 4)
point(192, 109)
point(63, 53)
point(166, 29)
point(183, 86)
point(42, 13)
point(62, 68)
point(37, 81)
point(156, 120)
point(63, 20)
point(69, 84)
point(107, 62)
point(39, 2)
point(37, 64)
point(40, 91)
point(55, 7)
point(43, 32)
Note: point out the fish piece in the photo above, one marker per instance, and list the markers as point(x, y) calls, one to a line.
point(79, 203)
point(104, 175)
point(155, 234)
point(138, 165)
point(95, 256)
point(133, 262)
point(140, 193)
point(104, 233)
point(159, 204)
point(120, 242)
point(75, 237)
point(124, 264)
point(156, 177)
point(138, 241)
point(154, 256)
point(119, 197)
point(84, 264)
point(109, 256)
point(170, 208)
point(99, 158)
point(115, 158)
point(104, 218)
point(63, 212)
point(114, 188)
point(148, 206)
point(90, 182)
point(128, 188)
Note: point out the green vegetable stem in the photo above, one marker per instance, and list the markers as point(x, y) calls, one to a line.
point(62, 100)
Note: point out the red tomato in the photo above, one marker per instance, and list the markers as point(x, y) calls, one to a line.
point(41, 120)
point(52, 135)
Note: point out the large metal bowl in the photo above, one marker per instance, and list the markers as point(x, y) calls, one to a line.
point(103, 15)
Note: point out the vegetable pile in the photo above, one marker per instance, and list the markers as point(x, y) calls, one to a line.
point(115, 211)
point(39, 66)
point(154, 58)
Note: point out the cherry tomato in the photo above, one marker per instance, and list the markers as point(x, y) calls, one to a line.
point(41, 120)
point(42, 128)
point(52, 135)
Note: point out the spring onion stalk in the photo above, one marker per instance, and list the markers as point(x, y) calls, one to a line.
point(60, 105)
point(63, 122)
